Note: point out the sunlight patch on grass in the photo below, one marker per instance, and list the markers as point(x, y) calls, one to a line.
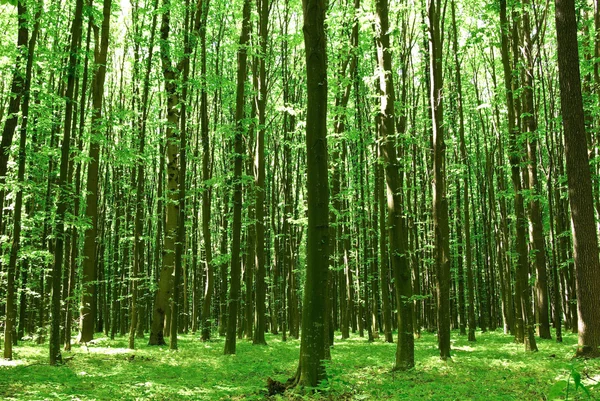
point(11, 363)
point(494, 367)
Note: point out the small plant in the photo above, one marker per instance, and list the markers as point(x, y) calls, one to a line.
point(577, 380)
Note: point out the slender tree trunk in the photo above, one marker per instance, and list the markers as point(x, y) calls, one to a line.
point(139, 245)
point(397, 233)
point(259, 180)
point(384, 260)
point(223, 267)
point(55, 354)
point(207, 192)
point(535, 217)
point(16, 235)
point(440, 201)
point(165, 279)
point(17, 90)
point(234, 292)
point(89, 276)
point(524, 313)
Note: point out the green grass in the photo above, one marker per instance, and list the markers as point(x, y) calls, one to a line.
point(493, 368)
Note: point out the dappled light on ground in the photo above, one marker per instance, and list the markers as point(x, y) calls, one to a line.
point(492, 368)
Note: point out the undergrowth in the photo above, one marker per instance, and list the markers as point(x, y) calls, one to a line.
point(493, 368)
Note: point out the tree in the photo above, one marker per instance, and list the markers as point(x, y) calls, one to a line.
point(260, 316)
point(174, 75)
point(585, 240)
point(90, 274)
point(206, 175)
point(57, 266)
point(138, 246)
point(17, 90)
point(311, 370)
point(16, 242)
point(234, 291)
point(524, 319)
point(440, 200)
point(535, 217)
point(405, 358)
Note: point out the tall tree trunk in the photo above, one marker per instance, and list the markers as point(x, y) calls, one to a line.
point(207, 190)
point(397, 234)
point(16, 235)
point(17, 89)
point(440, 201)
point(57, 267)
point(535, 217)
point(165, 279)
point(524, 314)
point(585, 240)
point(234, 292)
point(139, 245)
point(259, 180)
point(89, 273)
point(464, 246)
point(311, 370)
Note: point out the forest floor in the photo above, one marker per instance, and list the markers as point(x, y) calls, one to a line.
point(493, 368)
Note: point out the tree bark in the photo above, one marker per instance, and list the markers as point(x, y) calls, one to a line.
point(440, 201)
point(89, 272)
point(397, 232)
point(311, 370)
point(11, 272)
point(57, 267)
point(524, 316)
point(585, 240)
point(259, 179)
point(234, 291)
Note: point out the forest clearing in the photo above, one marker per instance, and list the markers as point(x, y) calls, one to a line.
point(300, 199)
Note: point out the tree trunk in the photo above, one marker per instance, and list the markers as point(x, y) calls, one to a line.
point(311, 370)
point(55, 354)
point(259, 178)
point(234, 292)
point(524, 315)
point(397, 233)
point(165, 279)
point(440, 201)
point(535, 217)
point(17, 90)
point(16, 240)
point(207, 190)
point(585, 240)
point(89, 272)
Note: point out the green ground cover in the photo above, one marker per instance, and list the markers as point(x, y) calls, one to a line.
point(493, 368)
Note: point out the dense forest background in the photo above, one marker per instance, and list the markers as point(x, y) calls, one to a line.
point(170, 167)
